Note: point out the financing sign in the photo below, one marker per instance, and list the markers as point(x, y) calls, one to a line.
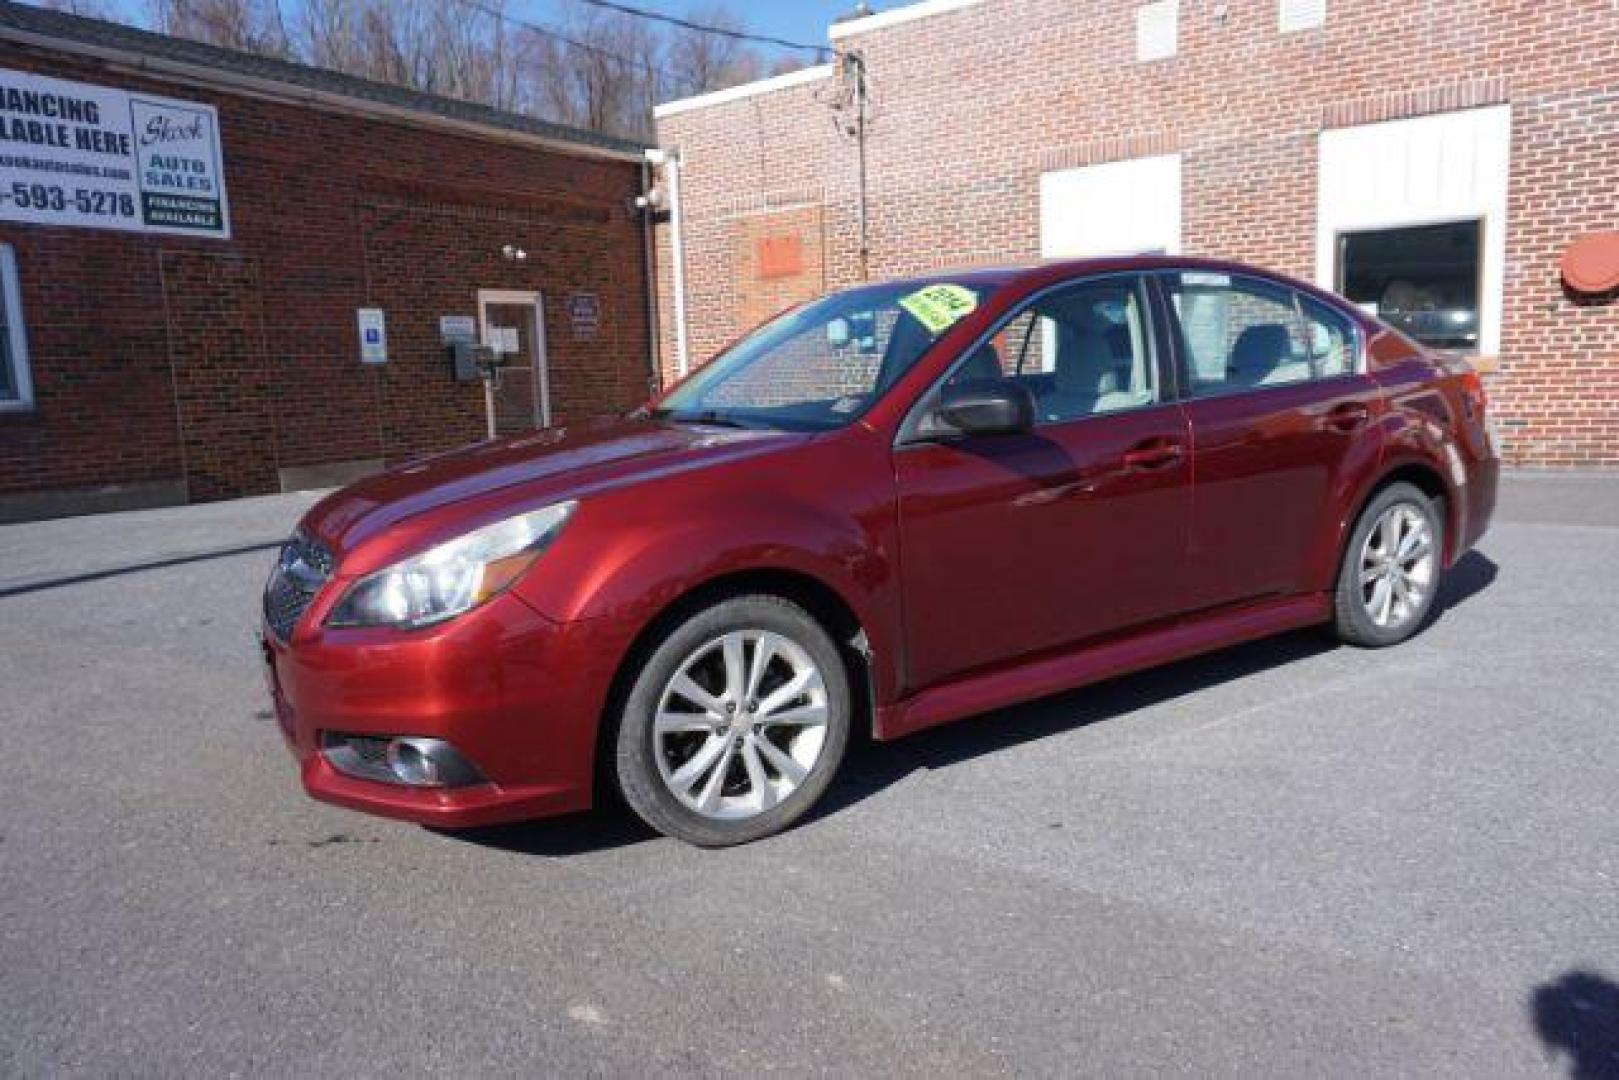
point(92, 157)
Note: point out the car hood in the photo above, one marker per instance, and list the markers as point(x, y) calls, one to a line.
point(540, 466)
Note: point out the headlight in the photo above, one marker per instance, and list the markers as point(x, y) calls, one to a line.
point(453, 577)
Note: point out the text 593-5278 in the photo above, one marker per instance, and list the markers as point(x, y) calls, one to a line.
point(55, 198)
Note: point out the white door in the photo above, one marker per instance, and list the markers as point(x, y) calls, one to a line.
point(513, 323)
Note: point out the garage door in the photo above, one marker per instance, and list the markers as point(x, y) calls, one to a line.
point(1120, 208)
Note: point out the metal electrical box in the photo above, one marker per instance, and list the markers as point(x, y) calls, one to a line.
point(473, 361)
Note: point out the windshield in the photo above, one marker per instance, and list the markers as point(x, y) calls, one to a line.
point(821, 365)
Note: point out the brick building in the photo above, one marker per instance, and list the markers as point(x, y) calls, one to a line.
point(182, 320)
point(1431, 160)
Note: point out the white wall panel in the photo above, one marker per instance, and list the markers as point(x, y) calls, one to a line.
point(1294, 15)
point(1119, 208)
point(1157, 30)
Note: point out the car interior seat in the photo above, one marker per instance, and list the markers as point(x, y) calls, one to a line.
point(1090, 376)
point(1263, 356)
point(1085, 375)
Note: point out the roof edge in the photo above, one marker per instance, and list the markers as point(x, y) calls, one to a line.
point(895, 16)
point(744, 90)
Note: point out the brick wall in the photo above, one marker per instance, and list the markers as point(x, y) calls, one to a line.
point(969, 107)
point(157, 358)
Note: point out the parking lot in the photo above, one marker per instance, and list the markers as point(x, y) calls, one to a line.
point(1287, 858)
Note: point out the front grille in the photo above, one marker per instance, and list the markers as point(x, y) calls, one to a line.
point(300, 570)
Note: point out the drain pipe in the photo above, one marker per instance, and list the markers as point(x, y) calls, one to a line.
point(670, 160)
point(647, 205)
point(859, 62)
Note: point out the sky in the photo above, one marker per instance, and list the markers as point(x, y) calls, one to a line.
point(794, 20)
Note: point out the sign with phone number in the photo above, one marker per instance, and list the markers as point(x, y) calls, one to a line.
point(94, 157)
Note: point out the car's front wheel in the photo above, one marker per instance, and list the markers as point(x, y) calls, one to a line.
point(735, 722)
point(1391, 568)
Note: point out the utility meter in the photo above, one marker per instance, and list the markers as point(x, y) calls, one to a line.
point(474, 361)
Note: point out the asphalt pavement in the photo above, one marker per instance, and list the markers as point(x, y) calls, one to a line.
point(1285, 859)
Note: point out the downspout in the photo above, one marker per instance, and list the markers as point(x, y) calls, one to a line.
point(677, 243)
point(647, 204)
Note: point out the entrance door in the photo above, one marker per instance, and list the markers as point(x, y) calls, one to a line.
point(513, 323)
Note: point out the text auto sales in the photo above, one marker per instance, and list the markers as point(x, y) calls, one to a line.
point(57, 120)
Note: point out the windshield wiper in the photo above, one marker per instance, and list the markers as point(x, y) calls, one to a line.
point(706, 417)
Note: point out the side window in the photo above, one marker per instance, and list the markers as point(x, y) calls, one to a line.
point(1330, 337)
point(15, 389)
point(1082, 351)
point(1240, 333)
point(1243, 333)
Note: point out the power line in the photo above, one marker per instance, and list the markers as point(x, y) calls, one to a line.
point(657, 71)
point(572, 42)
point(705, 28)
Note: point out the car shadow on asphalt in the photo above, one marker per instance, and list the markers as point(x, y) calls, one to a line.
point(610, 825)
point(870, 767)
point(1577, 1016)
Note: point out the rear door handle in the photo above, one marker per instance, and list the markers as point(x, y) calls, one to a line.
point(1154, 454)
point(1349, 416)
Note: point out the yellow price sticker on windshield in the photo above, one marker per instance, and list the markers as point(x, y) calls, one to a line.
point(938, 307)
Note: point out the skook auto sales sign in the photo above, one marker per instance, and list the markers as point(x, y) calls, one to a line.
point(94, 157)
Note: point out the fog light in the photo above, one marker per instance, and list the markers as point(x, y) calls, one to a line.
point(408, 760)
point(413, 763)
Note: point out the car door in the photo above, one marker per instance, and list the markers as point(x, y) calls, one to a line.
point(1012, 545)
point(1279, 406)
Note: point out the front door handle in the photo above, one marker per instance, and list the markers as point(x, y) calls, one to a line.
point(1153, 454)
point(1350, 416)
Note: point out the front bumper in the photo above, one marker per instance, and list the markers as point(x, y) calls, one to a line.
point(517, 694)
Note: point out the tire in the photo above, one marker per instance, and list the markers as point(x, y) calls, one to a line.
point(1379, 601)
point(699, 696)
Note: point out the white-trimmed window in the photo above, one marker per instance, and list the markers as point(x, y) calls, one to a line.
point(1300, 14)
point(1422, 279)
point(1413, 220)
point(16, 387)
point(1157, 29)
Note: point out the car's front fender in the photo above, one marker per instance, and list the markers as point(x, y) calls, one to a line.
point(628, 558)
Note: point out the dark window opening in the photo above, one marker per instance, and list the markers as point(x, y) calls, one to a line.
point(1422, 280)
point(14, 383)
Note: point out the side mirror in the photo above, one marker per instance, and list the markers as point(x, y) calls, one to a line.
point(987, 407)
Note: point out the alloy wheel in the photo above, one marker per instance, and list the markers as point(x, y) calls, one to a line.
point(741, 724)
point(1397, 564)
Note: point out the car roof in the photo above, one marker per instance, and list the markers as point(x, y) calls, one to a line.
point(1032, 275)
point(1051, 269)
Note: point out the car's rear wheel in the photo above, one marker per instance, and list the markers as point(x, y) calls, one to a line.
point(735, 723)
point(1391, 568)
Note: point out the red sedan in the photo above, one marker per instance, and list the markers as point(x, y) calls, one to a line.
point(896, 506)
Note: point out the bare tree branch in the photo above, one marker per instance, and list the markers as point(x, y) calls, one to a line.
point(596, 69)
